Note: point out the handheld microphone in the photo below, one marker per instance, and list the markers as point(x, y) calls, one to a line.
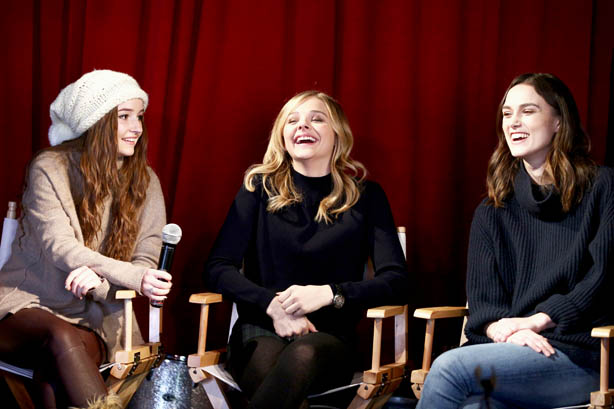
point(171, 234)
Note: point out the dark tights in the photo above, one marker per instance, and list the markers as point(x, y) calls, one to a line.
point(277, 374)
point(60, 353)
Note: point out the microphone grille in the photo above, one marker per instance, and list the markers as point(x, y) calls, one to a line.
point(171, 233)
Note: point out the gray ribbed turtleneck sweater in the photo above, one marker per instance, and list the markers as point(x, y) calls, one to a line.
point(529, 257)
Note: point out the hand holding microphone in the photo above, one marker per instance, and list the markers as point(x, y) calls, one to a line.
point(156, 283)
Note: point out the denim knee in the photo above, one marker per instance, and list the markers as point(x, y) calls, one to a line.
point(450, 372)
point(450, 363)
point(449, 382)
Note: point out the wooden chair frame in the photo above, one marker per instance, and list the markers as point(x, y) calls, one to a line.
point(128, 369)
point(601, 399)
point(377, 385)
point(130, 365)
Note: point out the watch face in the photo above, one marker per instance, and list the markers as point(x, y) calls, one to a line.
point(338, 300)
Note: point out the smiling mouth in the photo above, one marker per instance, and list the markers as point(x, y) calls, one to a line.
point(304, 139)
point(519, 136)
point(131, 141)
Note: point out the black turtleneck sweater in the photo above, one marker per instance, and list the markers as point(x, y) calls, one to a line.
point(289, 247)
point(529, 257)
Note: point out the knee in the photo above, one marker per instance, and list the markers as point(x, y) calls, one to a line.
point(61, 338)
point(449, 368)
point(304, 355)
point(449, 359)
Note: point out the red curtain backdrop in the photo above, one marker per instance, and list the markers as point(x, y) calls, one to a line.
point(419, 80)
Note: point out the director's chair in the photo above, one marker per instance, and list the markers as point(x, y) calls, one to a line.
point(129, 365)
point(375, 386)
point(601, 399)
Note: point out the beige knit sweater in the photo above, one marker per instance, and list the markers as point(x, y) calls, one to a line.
point(53, 246)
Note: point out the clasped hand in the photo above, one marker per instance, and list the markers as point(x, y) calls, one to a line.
point(304, 299)
point(288, 325)
point(523, 331)
point(289, 307)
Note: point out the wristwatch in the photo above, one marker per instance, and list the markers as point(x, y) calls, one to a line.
point(338, 298)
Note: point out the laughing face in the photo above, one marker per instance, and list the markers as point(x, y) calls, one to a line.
point(529, 124)
point(129, 126)
point(309, 138)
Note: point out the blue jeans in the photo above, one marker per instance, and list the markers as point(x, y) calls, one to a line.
point(523, 379)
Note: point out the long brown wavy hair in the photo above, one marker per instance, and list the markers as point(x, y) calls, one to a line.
point(100, 178)
point(568, 162)
point(274, 171)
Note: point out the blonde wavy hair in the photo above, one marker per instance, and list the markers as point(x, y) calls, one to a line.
point(99, 178)
point(274, 171)
point(568, 162)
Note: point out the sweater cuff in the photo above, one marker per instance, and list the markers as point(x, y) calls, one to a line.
point(561, 310)
point(137, 279)
point(265, 299)
point(101, 292)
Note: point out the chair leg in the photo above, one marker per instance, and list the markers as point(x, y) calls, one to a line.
point(359, 403)
point(215, 393)
point(19, 390)
point(127, 387)
point(371, 403)
point(380, 401)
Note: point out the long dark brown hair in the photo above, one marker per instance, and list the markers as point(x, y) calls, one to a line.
point(568, 163)
point(100, 178)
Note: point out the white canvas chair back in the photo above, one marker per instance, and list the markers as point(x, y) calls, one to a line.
point(9, 230)
point(219, 370)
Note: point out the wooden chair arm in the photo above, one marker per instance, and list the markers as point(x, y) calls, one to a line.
point(603, 332)
point(202, 357)
point(133, 359)
point(127, 296)
point(434, 313)
point(604, 397)
point(430, 315)
point(379, 373)
point(206, 298)
point(386, 311)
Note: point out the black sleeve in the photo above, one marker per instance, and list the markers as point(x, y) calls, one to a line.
point(390, 284)
point(486, 293)
point(569, 310)
point(222, 270)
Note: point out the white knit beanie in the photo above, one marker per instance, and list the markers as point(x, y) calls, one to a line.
point(84, 102)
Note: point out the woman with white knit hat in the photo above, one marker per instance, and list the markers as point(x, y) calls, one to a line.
point(93, 213)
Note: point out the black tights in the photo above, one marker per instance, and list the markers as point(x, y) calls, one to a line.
point(59, 352)
point(277, 374)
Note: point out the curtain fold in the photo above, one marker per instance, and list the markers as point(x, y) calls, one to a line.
point(420, 82)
